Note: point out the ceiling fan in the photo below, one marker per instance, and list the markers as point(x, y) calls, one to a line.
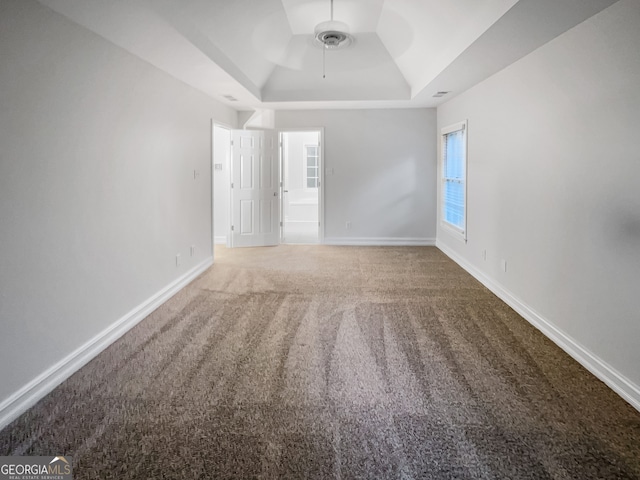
point(332, 35)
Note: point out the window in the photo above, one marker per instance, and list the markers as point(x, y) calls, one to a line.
point(454, 177)
point(311, 155)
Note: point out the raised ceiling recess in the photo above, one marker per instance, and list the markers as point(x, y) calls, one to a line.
point(265, 54)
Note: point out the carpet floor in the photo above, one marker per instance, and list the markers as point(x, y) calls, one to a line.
point(319, 362)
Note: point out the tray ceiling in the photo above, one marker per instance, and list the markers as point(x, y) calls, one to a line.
point(262, 53)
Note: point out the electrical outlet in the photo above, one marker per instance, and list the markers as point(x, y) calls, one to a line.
point(347, 225)
point(484, 255)
point(178, 260)
point(503, 264)
point(192, 251)
point(196, 174)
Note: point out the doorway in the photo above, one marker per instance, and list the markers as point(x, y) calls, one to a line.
point(301, 153)
point(221, 180)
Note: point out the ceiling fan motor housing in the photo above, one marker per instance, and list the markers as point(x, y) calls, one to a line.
point(333, 35)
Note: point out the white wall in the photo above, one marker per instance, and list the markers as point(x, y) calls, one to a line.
point(97, 189)
point(384, 173)
point(221, 183)
point(554, 166)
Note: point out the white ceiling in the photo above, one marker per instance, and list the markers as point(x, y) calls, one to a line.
point(262, 53)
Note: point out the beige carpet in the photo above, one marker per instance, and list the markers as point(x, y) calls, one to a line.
point(334, 362)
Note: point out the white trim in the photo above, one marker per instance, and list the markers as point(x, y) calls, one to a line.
point(321, 191)
point(218, 239)
point(453, 128)
point(212, 183)
point(453, 231)
point(605, 372)
point(381, 241)
point(27, 396)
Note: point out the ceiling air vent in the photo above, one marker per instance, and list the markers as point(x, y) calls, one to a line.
point(440, 94)
point(231, 98)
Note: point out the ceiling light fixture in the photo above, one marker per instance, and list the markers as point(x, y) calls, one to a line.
point(332, 35)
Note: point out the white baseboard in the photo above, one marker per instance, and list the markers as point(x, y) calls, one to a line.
point(44, 383)
point(380, 241)
point(220, 239)
point(605, 372)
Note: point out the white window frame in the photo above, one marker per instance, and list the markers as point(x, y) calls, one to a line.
point(456, 127)
point(305, 175)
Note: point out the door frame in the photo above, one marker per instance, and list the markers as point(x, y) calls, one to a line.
point(226, 175)
point(321, 170)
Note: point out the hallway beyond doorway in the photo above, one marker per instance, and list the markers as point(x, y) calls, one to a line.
point(301, 174)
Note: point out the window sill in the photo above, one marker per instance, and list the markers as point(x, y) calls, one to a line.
point(454, 232)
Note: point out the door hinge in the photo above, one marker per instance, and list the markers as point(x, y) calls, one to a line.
point(232, 143)
point(232, 228)
point(231, 184)
point(281, 224)
point(318, 223)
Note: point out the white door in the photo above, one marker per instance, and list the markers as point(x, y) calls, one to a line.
point(255, 207)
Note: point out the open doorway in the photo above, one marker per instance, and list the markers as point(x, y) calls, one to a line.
point(221, 180)
point(301, 186)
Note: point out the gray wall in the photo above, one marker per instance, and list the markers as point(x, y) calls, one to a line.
point(97, 189)
point(384, 172)
point(554, 165)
